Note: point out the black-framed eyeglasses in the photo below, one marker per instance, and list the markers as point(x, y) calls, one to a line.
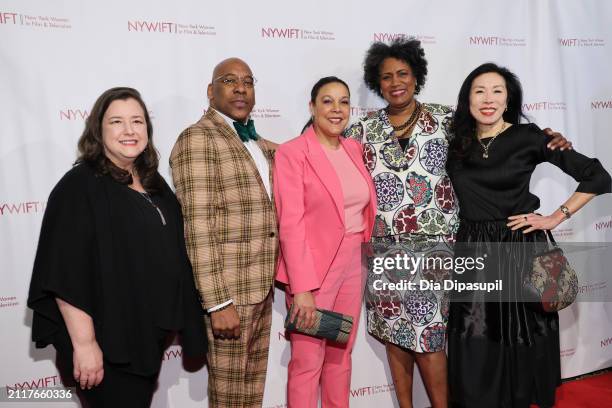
point(232, 81)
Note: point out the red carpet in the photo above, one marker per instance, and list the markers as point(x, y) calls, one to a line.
point(590, 392)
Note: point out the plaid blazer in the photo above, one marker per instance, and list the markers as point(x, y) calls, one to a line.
point(230, 222)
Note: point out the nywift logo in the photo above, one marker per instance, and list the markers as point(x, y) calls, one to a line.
point(387, 37)
point(152, 26)
point(24, 207)
point(582, 42)
point(372, 390)
point(294, 33)
point(601, 104)
point(8, 18)
point(33, 383)
point(73, 114)
point(603, 225)
point(496, 41)
point(544, 106)
point(173, 353)
point(80, 114)
point(170, 27)
point(34, 21)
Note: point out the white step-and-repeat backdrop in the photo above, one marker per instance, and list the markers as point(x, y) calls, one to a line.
point(56, 57)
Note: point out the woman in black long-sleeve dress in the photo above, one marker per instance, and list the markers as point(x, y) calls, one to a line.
point(504, 353)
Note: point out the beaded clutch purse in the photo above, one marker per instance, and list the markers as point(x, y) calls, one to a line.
point(552, 283)
point(328, 325)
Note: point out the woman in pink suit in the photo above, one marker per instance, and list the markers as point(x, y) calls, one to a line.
point(326, 205)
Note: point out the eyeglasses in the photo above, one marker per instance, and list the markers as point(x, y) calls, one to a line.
point(233, 80)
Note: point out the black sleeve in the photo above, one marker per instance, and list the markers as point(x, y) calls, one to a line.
point(193, 335)
point(588, 172)
point(65, 258)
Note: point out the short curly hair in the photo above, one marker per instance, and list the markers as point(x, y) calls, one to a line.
point(405, 49)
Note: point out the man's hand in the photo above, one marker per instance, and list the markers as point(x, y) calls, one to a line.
point(226, 323)
point(557, 140)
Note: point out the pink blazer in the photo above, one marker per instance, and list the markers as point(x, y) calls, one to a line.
point(310, 209)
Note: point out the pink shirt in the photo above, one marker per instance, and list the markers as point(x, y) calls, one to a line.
point(354, 189)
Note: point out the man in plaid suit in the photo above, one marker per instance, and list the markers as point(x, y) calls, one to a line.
point(222, 173)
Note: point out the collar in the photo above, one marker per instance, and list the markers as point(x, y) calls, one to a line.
point(228, 120)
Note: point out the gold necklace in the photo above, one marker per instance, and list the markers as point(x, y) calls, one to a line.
point(485, 148)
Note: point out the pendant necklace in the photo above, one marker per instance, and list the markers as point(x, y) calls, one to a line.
point(148, 198)
point(485, 147)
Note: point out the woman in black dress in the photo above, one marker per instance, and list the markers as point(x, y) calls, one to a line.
point(111, 277)
point(504, 353)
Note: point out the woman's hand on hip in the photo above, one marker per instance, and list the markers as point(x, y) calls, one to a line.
point(88, 364)
point(532, 222)
point(305, 309)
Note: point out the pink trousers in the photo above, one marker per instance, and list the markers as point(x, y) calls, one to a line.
point(316, 362)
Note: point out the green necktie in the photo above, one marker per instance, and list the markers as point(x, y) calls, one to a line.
point(246, 132)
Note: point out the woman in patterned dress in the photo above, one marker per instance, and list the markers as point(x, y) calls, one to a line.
point(405, 149)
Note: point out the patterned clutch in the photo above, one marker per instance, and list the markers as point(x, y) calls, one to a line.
point(328, 325)
point(553, 283)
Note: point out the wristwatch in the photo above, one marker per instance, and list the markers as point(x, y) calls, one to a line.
point(565, 211)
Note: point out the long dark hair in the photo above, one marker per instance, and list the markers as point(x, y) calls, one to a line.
point(464, 125)
point(91, 145)
point(315, 92)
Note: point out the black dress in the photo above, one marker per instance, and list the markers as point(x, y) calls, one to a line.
point(504, 354)
point(105, 249)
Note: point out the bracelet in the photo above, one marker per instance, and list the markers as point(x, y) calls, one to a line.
point(565, 212)
point(231, 302)
point(222, 308)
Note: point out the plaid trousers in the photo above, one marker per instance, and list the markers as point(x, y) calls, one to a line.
point(237, 368)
